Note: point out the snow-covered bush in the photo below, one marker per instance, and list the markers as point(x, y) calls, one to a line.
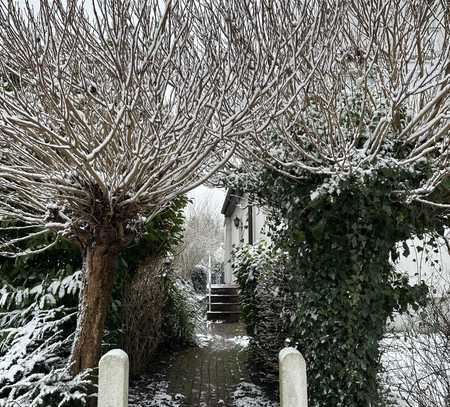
point(266, 305)
point(218, 273)
point(143, 314)
point(184, 313)
point(38, 308)
point(199, 278)
point(35, 343)
point(417, 360)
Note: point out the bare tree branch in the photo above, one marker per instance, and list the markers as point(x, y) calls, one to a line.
point(107, 116)
point(376, 94)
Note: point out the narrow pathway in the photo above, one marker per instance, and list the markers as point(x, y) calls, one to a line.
point(211, 375)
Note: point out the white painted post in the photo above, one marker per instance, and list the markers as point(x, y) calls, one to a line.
point(113, 379)
point(293, 384)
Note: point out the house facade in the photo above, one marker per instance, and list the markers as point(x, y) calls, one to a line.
point(244, 224)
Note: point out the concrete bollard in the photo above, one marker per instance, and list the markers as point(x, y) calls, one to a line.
point(293, 384)
point(113, 379)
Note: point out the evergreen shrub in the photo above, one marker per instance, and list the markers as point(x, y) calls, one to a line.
point(199, 278)
point(184, 313)
point(266, 306)
point(343, 240)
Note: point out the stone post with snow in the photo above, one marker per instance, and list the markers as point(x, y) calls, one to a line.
point(113, 379)
point(293, 384)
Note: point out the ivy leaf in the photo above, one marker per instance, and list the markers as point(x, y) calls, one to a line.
point(406, 251)
point(300, 236)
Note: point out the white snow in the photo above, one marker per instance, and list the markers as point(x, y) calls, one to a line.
point(250, 395)
point(205, 340)
point(415, 368)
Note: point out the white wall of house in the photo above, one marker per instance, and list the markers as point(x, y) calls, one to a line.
point(415, 265)
point(242, 226)
point(430, 266)
point(228, 243)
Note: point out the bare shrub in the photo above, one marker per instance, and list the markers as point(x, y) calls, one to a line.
point(143, 313)
point(418, 359)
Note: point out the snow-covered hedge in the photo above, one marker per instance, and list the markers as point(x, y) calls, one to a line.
point(184, 314)
point(199, 278)
point(35, 342)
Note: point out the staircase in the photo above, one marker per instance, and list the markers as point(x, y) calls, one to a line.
point(224, 303)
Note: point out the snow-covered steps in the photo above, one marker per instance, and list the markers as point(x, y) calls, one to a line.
point(224, 298)
point(224, 289)
point(224, 303)
point(225, 316)
point(226, 306)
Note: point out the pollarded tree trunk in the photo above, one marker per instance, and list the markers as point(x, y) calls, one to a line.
point(99, 266)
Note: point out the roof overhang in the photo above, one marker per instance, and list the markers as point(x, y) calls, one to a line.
point(231, 200)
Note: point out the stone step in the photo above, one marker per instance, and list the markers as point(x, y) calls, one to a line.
point(224, 289)
point(225, 306)
point(223, 316)
point(224, 298)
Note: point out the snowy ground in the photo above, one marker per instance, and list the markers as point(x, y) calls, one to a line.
point(212, 374)
point(155, 393)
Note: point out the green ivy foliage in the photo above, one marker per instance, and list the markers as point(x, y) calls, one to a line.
point(341, 246)
point(267, 307)
point(163, 233)
point(251, 264)
point(348, 289)
point(342, 233)
point(247, 270)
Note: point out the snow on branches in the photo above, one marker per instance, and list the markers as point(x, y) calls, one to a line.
point(109, 112)
point(376, 95)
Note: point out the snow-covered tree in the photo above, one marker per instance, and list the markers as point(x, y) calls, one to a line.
point(203, 236)
point(363, 150)
point(380, 99)
point(109, 113)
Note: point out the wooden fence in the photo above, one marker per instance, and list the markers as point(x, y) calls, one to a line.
point(114, 366)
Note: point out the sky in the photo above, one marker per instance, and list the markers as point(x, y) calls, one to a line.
point(213, 197)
